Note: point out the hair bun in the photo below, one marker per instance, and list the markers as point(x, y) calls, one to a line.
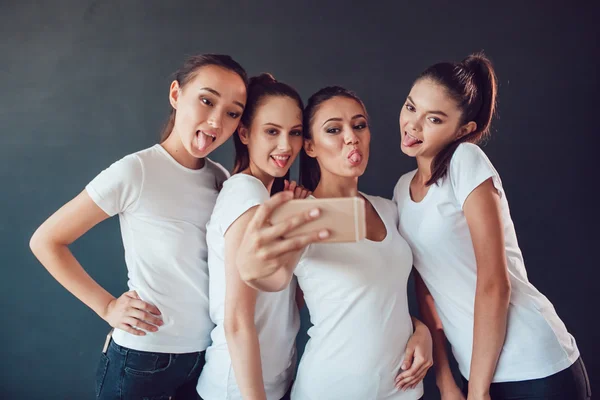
point(475, 61)
point(263, 79)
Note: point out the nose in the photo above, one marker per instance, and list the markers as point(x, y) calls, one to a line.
point(414, 124)
point(283, 142)
point(350, 137)
point(214, 119)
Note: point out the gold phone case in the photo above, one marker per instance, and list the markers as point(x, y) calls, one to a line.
point(343, 217)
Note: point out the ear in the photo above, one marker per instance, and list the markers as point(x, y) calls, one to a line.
point(174, 92)
point(466, 129)
point(309, 148)
point(244, 134)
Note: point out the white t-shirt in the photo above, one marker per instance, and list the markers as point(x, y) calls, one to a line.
point(537, 343)
point(357, 297)
point(163, 208)
point(276, 314)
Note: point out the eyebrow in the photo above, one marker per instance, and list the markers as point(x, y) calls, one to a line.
point(213, 91)
point(281, 127)
point(430, 112)
point(340, 120)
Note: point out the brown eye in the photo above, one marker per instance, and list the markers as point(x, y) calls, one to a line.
point(409, 107)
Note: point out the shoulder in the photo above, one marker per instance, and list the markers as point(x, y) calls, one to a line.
point(401, 189)
point(468, 155)
point(240, 193)
point(242, 189)
point(386, 207)
point(127, 169)
point(469, 168)
point(218, 170)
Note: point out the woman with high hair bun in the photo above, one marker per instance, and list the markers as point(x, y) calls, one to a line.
point(253, 354)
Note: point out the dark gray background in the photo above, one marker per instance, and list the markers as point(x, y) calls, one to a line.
point(85, 82)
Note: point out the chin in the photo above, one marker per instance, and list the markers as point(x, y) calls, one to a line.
point(407, 151)
point(278, 174)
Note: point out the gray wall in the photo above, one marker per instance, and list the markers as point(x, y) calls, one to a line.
point(85, 82)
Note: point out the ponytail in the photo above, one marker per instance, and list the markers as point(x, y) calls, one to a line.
point(472, 84)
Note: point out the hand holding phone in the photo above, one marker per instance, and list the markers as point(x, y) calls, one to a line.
point(343, 217)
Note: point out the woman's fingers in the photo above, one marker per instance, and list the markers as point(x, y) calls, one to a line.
point(276, 231)
point(264, 211)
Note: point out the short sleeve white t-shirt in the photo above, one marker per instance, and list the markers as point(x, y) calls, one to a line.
point(357, 297)
point(276, 314)
point(537, 343)
point(163, 209)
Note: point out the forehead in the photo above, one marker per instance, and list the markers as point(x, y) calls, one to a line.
point(228, 83)
point(338, 107)
point(277, 108)
point(430, 95)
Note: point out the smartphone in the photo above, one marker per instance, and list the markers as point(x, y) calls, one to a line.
point(343, 217)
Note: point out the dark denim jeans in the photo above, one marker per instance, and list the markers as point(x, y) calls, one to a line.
point(569, 384)
point(126, 374)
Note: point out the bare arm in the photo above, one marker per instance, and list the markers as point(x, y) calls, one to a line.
point(417, 357)
point(483, 213)
point(240, 328)
point(50, 244)
point(265, 260)
point(443, 374)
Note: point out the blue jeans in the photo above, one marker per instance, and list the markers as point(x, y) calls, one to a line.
point(569, 384)
point(126, 374)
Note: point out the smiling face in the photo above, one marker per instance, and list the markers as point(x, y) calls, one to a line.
point(430, 120)
point(208, 107)
point(274, 137)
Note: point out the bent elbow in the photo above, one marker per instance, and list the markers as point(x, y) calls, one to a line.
point(498, 288)
point(234, 326)
point(37, 242)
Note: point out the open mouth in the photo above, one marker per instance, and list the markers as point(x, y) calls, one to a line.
point(280, 160)
point(410, 140)
point(208, 135)
point(203, 140)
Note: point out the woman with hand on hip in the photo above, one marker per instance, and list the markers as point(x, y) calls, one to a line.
point(164, 195)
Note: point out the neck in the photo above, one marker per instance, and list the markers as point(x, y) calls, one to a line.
point(259, 174)
point(175, 148)
point(336, 186)
point(423, 170)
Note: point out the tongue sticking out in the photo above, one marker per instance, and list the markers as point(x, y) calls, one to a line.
point(280, 163)
point(355, 158)
point(202, 141)
point(409, 141)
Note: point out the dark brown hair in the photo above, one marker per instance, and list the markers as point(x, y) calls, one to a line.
point(310, 172)
point(472, 84)
point(188, 71)
point(260, 88)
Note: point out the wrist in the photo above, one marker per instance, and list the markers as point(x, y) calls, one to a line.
point(105, 307)
point(419, 326)
point(478, 389)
